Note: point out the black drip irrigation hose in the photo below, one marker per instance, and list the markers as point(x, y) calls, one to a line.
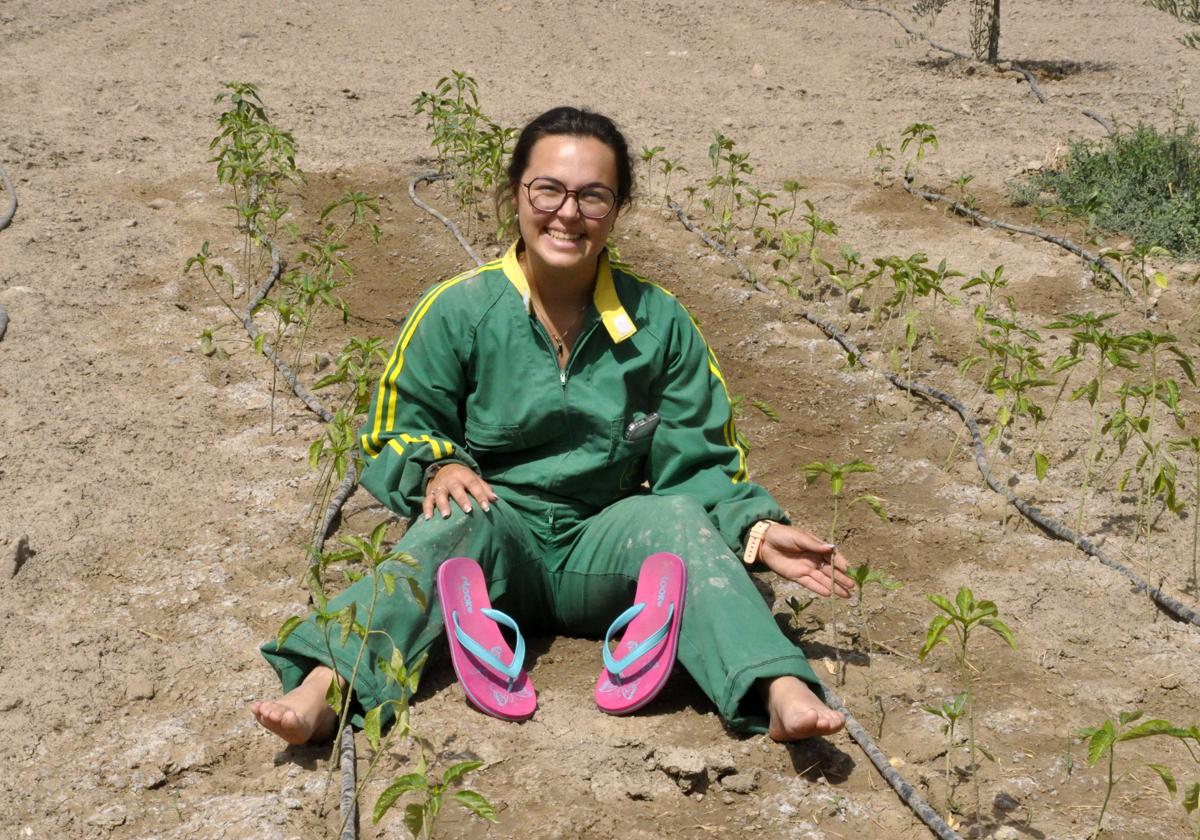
point(336, 502)
point(903, 789)
point(962, 210)
point(916, 33)
point(285, 371)
point(4, 222)
point(347, 804)
point(430, 177)
point(1105, 124)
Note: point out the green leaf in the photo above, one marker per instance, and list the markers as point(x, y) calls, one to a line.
point(1041, 465)
point(1100, 742)
point(935, 711)
point(1167, 778)
point(286, 630)
point(814, 471)
point(1191, 797)
point(459, 770)
point(943, 603)
point(345, 617)
point(372, 726)
point(477, 805)
point(414, 819)
point(333, 696)
point(1153, 727)
point(395, 790)
point(965, 601)
point(935, 634)
point(414, 589)
point(771, 413)
point(1001, 628)
point(857, 466)
point(377, 535)
point(315, 450)
point(875, 504)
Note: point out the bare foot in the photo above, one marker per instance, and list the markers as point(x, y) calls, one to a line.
point(796, 712)
point(301, 715)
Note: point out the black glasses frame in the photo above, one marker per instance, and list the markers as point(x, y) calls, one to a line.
point(566, 193)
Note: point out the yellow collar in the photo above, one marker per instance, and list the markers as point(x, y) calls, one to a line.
point(616, 320)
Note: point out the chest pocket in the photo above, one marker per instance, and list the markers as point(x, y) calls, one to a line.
point(492, 437)
point(621, 449)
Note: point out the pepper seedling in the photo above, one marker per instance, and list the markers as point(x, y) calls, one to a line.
point(964, 615)
point(837, 473)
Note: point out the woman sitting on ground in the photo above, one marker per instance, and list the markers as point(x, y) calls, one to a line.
point(556, 418)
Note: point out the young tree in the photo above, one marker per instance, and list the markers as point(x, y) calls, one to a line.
point(985, 25)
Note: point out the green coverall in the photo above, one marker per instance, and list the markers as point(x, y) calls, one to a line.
point(474, 379)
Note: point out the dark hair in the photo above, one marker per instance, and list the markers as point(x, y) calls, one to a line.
point(575, 122)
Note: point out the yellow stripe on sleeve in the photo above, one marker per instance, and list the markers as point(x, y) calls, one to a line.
point(440, 448)
point(385, 405)
point(742, 474)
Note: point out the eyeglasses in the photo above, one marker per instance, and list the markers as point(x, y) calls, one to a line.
point(548, 195)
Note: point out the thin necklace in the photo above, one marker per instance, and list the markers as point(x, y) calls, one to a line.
point(560, 339)
point(539, 311)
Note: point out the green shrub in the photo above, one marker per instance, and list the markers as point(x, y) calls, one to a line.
point(1142, 182)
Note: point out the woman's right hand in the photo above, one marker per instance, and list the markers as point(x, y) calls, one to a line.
point(458, 482)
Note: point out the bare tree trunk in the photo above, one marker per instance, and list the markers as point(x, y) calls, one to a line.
point(993, 49)
point(985, 30)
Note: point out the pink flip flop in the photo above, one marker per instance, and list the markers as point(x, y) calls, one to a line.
point(477, 649)
point(651, 638)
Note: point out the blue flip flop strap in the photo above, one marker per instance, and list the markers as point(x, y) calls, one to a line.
point(512, 670)
point(616, 666)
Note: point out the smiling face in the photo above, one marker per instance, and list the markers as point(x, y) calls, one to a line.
point(565, 241)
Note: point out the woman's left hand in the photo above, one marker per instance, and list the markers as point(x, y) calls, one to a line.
point(801, 556)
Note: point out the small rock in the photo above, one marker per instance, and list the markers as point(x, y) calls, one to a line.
point(139, 688)
point(110, 816)
point(292, 804)
point(160, 204)
point(743, 783)
point(1005, 802)
point(686, 767)
point(8, 702)
point(148, 779)
point(1169, 683)
point(1005, 832)
point(758, 71)
point(129, 223)
point(13, 554)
